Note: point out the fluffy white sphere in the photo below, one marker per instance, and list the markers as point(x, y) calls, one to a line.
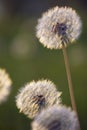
point(58, 26)
point(35, 96)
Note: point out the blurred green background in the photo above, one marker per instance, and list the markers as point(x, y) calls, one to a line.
point(26, 59)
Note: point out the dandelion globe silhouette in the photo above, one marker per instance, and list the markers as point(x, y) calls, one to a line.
point(5, 85)
point(35, 96)
point(56, 118)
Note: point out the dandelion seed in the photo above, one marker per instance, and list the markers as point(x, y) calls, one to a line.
point(56, 118)
point(5, 85)
point(58, 27)
point(35, 96)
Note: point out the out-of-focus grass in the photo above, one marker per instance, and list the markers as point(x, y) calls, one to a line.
point(40, 63)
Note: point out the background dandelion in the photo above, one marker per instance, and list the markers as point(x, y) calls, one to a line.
point(37, 95)
point(56, 118)
point(5, 85)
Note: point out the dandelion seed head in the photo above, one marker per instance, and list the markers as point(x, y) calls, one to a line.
point(32, 98)
point(5, 85)
point(58, 27)
point(56, 118)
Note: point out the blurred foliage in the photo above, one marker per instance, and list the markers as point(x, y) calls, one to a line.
point(26, 59)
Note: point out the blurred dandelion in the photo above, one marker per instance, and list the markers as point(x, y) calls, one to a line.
point(36, 95)
point(22, 47)
point(78, 56)
point(5, 85)
point(56, 29)
point(56, 118)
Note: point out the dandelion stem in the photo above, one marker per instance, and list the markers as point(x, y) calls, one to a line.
point(69, 79)
point(70, 82)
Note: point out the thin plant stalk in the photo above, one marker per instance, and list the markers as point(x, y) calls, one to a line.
point(71, 91)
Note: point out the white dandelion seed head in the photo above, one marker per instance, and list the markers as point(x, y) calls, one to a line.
point(5, 85)
point(56, 118)
point(58, 26)
point(35, 96)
